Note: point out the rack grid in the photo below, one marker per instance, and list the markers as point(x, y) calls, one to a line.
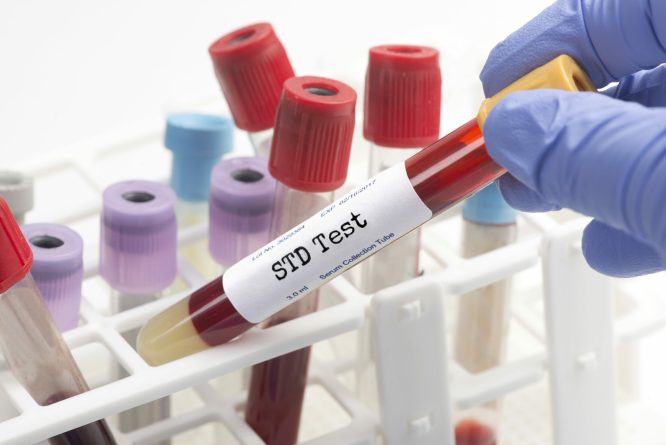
point(546, 266)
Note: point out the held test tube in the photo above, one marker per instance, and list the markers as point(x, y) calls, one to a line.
point(30, 341)
point(251, 66)
point(198, 142)
point(309, 159)
point(336, 238)
point(138, 260)
point(57, 268)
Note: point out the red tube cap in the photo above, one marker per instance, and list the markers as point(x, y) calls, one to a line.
point(313, 134)
point(403, 92)
point(15, 252)
point(251, 65)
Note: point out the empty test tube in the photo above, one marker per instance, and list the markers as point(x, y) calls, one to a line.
point(31, 343)
point(342, 235)
point(138, 259)
point(241, 203)
point(309, 159)
point(58, 270)
point(198, 142)
point(251, 66)
point(18, 190)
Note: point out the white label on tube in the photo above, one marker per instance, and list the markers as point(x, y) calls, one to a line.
point(338, 237)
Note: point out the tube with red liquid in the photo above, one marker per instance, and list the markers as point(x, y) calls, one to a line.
point(30, 341)
point(309, 159)
point(371, 217)
point(367, 219)
point(251, 65)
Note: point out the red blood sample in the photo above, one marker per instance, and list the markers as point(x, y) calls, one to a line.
point(274, 405)
point(214, 317)
point(452, 168)
point(473, 432)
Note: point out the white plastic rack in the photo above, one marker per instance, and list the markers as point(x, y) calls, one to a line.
point(558, 384)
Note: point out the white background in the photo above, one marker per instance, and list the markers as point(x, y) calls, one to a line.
point(72, 69)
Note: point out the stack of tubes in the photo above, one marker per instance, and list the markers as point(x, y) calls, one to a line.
point(301, 129)
point(303, 126)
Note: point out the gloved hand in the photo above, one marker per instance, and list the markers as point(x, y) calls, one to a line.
point(590, 152)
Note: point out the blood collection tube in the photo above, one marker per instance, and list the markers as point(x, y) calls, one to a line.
point(403, 89)
point(138, 260)
point(309, 160)
point(241, 203)
point(30, 341)
point(18, 190)
point(381, 210)
point(483, 314)
point(251, 65)
point(58, 270)
point(198, 142)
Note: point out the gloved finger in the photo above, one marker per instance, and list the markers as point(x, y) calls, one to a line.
point(601, 157)
point(645, 87)
point(608, 38)
point(613, 252)
point(521, 197)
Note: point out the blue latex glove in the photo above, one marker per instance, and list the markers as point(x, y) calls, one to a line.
point(590, 152)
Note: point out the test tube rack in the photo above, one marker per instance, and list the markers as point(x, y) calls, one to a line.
point(558, 384)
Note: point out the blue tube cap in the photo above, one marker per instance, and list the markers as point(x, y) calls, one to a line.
point(197, 142)
point(488, 207)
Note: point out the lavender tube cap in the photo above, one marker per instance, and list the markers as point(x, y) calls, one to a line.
point(58, 270)
point(240, 208)
point(138, 241)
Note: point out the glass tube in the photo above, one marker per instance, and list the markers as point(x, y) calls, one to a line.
point(277, 386)
point(41, 361)
point(483, 314)
point(441, 175)
point(482, 328)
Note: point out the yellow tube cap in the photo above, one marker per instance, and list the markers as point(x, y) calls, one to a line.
point(561, 73)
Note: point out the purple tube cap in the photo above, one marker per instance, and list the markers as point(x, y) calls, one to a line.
point(57, 269)
point(138, 242)
point(241, 203)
